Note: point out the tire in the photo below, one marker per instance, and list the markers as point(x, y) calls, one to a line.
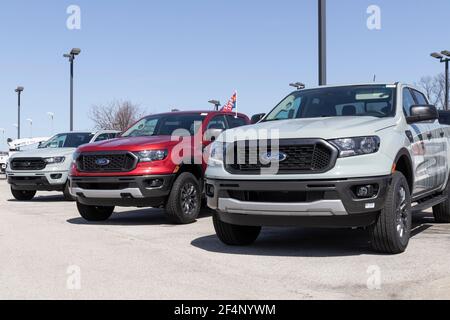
point(441, 211)
point(391, 233)
point(66, 192)
point(23, 195)
point(94, 213)
point(184, 202)
point(234, 235)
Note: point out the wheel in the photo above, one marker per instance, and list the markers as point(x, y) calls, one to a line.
point(391, 233)
point(184, 203)
point(66, 192)
point(94, 213)
point(234, 235)
point(441, 211)
point(23, 195)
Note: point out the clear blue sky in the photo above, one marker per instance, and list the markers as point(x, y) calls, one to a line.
point(163, 54)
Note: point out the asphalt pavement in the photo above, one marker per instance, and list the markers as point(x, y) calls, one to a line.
point(47, 251)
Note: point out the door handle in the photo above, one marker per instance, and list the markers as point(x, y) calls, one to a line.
point(442, 134)
point(430, 136)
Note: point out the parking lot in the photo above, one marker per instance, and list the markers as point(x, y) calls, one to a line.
point(138, 255)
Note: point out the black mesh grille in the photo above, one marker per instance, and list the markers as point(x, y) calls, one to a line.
point(121, 162)
point(28, 164)
point(301, 157)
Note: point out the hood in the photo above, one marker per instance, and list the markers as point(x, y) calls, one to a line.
point(129, 144)
point(324, 128)
point(44, 153)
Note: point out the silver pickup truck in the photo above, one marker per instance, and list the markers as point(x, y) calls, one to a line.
point(339, 156)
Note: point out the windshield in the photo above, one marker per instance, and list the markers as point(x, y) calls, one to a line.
point(167, 125)
point(351, 101)
point(67, 140)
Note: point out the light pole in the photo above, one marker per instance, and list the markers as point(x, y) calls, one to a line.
point(30, 121)
point(216, 104)
point(444, 57)
point(19, 91)
point(71, 56)
point(322, 42)
point(52, 116)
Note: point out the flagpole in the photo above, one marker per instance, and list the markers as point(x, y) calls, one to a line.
point(236, 106)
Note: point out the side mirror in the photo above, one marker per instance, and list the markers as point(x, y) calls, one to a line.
point(257, 118)
point(421, 113)
point(212, 134)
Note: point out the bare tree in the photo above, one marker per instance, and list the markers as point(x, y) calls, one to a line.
point(434, 88)
point(117, 115)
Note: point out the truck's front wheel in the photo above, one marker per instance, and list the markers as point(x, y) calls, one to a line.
point(23, 195)
point(392, 231)
point(184, 203)
point(234, 235)
point(94, 213)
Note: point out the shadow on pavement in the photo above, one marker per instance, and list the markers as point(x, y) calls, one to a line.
point(300, 242)
point(53, 198)
point(148, 216)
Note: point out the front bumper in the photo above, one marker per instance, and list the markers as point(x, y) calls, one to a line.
point(325, 203)
point(134, 191)
point(39, 181)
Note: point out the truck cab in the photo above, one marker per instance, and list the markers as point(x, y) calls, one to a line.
point(336, 156)
point(158, 162)
point(47, 167)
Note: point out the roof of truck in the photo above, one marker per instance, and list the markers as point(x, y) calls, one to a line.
point(203, 112)
point(352, 84)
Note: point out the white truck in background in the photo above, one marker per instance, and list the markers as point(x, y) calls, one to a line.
point(345, 156)
point(47, 167)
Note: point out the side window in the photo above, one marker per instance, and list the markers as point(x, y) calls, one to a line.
point(408, 101)
point(218, 122)
point(103, 137)
point(234, 122)
point(420, 97)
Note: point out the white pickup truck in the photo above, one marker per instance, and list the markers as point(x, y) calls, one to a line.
point(47, 167)
point(336, 156)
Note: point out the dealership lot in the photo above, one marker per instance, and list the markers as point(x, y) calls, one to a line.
point(139, 255)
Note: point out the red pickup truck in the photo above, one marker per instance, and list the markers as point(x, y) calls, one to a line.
point(158, 162)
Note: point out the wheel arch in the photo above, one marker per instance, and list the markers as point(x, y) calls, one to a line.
point(195, 169)
point(403, 163)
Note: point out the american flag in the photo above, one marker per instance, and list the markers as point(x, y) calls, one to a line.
point(231, 104)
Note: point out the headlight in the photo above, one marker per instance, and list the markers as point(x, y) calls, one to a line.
point(216, 154)
point(151, 155)
point(75, 156)
point(54, 160)
point(350, 147)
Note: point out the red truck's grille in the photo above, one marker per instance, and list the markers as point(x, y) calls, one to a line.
point(301, 156)
point(117, 162)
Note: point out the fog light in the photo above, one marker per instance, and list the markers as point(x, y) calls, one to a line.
point(56, 176)
point(155, 183)
point(209, 190)
point(365, 191)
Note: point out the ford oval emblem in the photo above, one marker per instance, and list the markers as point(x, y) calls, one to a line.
point(102, 162)
point(273, 157)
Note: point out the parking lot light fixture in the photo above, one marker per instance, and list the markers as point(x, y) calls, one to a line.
point(71, 56)
point(216, 104)
point(298, 85)
point(444, 57)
